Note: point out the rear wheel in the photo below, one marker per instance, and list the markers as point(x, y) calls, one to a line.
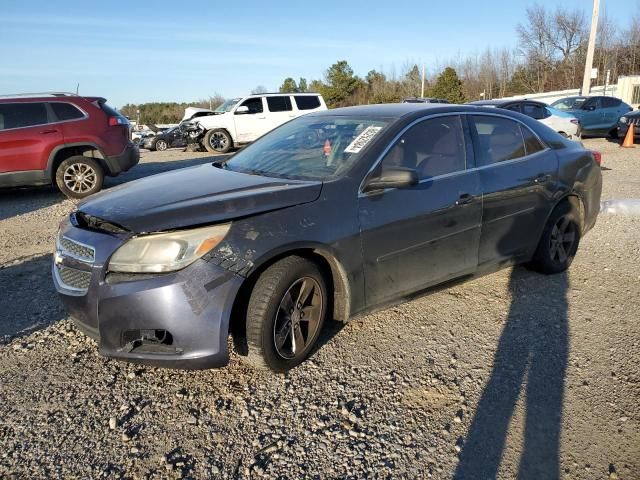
point(79, 176)
point(559, 242)
point(286, 312)
point(161, 145)
point(217, 141)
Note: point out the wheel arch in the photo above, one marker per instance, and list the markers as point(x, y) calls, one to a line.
point(333, 270)
point(64, 151)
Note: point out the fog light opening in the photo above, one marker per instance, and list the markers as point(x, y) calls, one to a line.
point(139, 339)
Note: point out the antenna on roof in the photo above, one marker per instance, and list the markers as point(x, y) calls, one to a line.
point(77, 87)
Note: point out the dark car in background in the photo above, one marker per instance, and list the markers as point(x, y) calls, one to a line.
point(332, 214)
point(424, 100)
point(170, 138)
point(625, 122)
point(70, 140)
point(598, 115)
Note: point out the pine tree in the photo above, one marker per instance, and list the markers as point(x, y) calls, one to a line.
point(448, 86)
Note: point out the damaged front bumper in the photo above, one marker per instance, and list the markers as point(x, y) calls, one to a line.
point(176, 320)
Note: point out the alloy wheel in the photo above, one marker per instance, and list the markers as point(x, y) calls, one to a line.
point(298, 318)
point(218, 141)
point(161, 145)
point(80, 178)
point(562, 240)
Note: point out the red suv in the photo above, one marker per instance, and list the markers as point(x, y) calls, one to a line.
point(71, 140)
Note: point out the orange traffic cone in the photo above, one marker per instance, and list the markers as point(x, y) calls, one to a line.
point(628, 138)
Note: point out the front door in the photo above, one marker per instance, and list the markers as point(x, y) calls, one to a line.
point(416, 237)
point(518, 175)
point(252, 123)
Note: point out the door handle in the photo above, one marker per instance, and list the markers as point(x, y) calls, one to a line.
point(45, 132)
point(542, 178)
point(464, 199)
point(261, 118)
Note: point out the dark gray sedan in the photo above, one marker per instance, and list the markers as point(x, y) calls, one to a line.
point(330, 215)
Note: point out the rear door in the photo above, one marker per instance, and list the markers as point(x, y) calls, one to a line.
point(280, 110)
point(426, 234)
point(592, 117)
point(27, 137)
point(252, 124)
point(611, 111)
point(518, 174)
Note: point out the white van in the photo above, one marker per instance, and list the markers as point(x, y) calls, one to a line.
point(242, 120)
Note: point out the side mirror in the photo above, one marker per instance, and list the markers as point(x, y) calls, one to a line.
point(392, 177)
point(242, 109)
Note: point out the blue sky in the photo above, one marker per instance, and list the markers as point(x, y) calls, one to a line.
point(177, 50)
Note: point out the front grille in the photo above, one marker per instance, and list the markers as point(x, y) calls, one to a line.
point(73, 278)
point(77, 250)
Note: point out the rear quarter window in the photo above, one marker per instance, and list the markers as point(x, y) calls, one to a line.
point(307, 102)
point(66, 111)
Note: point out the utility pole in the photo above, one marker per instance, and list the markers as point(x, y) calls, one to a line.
point(586, 79)
point(422, 90)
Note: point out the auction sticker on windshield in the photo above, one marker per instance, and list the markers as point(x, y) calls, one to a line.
point(361, 140)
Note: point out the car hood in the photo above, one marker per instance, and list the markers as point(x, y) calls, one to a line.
point(195, 196)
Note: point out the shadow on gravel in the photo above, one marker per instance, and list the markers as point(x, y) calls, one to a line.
point(18, 201)
point(28, 301)
point(533, 348)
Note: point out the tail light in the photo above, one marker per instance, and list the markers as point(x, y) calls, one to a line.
point(597, 156)
point(115, 121)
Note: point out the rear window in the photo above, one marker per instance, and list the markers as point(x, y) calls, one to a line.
point(495, 139)
point(279, 104)
point(307, 102)
point(18, 115)
point(112, 112)
point(534, 111)
point(531, 142)
point(66, 111)
point(610, 102)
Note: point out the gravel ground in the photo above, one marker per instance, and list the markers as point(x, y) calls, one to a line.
point(513, 374)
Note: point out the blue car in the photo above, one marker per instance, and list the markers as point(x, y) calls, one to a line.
point(598, 115)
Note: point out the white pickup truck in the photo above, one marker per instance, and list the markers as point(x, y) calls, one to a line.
point(242, 120)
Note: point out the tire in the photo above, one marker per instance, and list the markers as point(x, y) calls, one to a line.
point(613, 133)
point(273, 316)
point(161, 145)
point(79, 176)
point(559, 242)
point(217, 141)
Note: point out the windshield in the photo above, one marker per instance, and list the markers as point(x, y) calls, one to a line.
point(571, 103)
point(227, 105)
point(308, 148)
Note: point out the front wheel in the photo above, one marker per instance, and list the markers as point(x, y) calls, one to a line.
point(286, 311)
point(161, 145)
point(217, 141)
point(79, 176)
point(559, 242)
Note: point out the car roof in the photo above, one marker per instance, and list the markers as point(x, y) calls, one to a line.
point(399, 110)
point(278, 94)
point(49, 98)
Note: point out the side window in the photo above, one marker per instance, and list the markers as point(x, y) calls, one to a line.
point(531, 142)
point(66, 111)
point(279, 104)
point(18, 115)
point(592, 103)
point(495, 139)
point(254, 104)
point(433, 147)
point(307, 102)
point(514, 107)
point(534, 111)
point(610, 102)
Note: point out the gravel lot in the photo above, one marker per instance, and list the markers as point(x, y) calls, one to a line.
point(511, 374)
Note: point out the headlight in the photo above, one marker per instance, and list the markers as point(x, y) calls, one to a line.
point(623, 120)
point(166, 252)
